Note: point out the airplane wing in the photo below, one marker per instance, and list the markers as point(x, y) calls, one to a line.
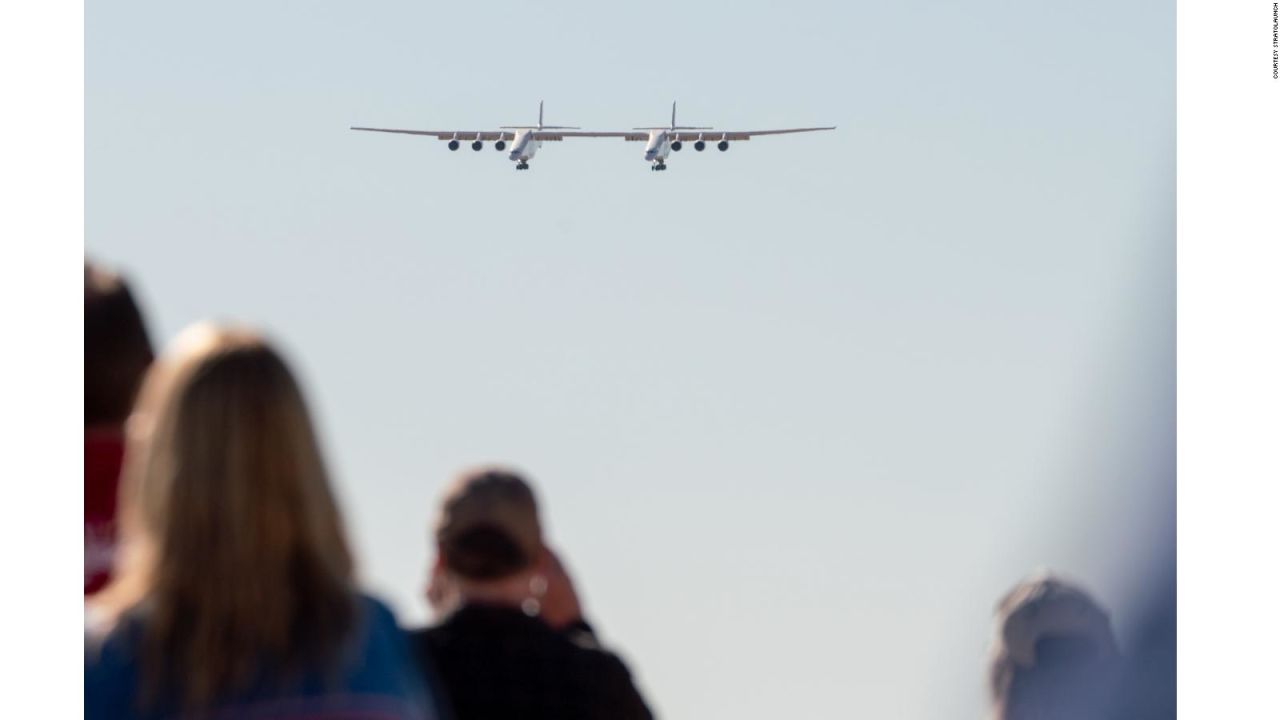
point(448, 134)
point(737, 135)
point(543, 135)
point(631, 136)
point(683, 136)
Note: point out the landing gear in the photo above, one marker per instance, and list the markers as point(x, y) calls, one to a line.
point(522, 165)
point(658, 166)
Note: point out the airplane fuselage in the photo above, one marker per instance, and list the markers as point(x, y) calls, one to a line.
point(659, 147)
point(524, 146)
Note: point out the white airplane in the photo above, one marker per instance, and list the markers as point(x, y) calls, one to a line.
point(525, 139)
point(661, 141)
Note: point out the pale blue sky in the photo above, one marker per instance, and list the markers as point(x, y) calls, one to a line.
point(799, 412)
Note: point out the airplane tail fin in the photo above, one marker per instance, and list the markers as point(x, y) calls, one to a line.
point(552, 127)
point(674, 126)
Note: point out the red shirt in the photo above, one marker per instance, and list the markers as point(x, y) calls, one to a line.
point(103, 457)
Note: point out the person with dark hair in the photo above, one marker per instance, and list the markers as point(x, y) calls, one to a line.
point(117, 352)
point(1055, 656)
point(513, 642)
point(234, 595)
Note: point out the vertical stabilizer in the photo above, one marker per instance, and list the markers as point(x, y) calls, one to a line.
point(673, 114)
point(543, 126)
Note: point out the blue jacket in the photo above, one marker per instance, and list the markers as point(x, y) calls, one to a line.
point(376, 679)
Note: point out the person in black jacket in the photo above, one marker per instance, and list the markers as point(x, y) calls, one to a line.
point(512, 642)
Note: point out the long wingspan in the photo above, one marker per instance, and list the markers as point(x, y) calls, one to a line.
point(737, 135)
point(448, 134)
point(709, 135)
point(631, 136)
point(550, 134)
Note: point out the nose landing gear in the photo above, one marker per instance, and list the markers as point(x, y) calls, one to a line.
point(658, 166)
point(522, 165)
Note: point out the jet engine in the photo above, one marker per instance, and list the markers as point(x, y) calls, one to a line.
point(723, 145)
point(453, 144)
point(477, 146)
point(500, 145)
point(677, 145)
point(700, 146)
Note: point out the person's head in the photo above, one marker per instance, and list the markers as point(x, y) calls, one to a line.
point(1054, 655)
point(488, 531)
point(234, 544)
point(117, 350)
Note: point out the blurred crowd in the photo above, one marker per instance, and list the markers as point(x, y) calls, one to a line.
point(219, 579)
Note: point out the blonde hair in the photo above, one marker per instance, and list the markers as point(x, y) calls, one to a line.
point(234, 547)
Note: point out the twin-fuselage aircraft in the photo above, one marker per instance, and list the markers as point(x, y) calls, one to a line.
point(660, 142)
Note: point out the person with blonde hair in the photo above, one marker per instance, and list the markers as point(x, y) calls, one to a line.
point(1054, 656)
point(234, 594)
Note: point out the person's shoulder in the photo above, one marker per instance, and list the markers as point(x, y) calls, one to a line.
point(381, 667)
point(582, 638)
point(422, 642)
point(375, 610)
point(380, 631)
point(602, 662)
point(110, 668)
point(111, 639)
point(580, 641)
point(379, 623)
point(438, 636)
point(607, 678)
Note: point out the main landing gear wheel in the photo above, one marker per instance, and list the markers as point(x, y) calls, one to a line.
point(522, 166)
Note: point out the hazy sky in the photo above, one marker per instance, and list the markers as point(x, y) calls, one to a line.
point(799, 412)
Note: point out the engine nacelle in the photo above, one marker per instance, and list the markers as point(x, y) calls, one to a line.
point(477, 146)
point(699, 146)
point(453, 144)
point(677, 145)
point(723, 145)
point(500, 145)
